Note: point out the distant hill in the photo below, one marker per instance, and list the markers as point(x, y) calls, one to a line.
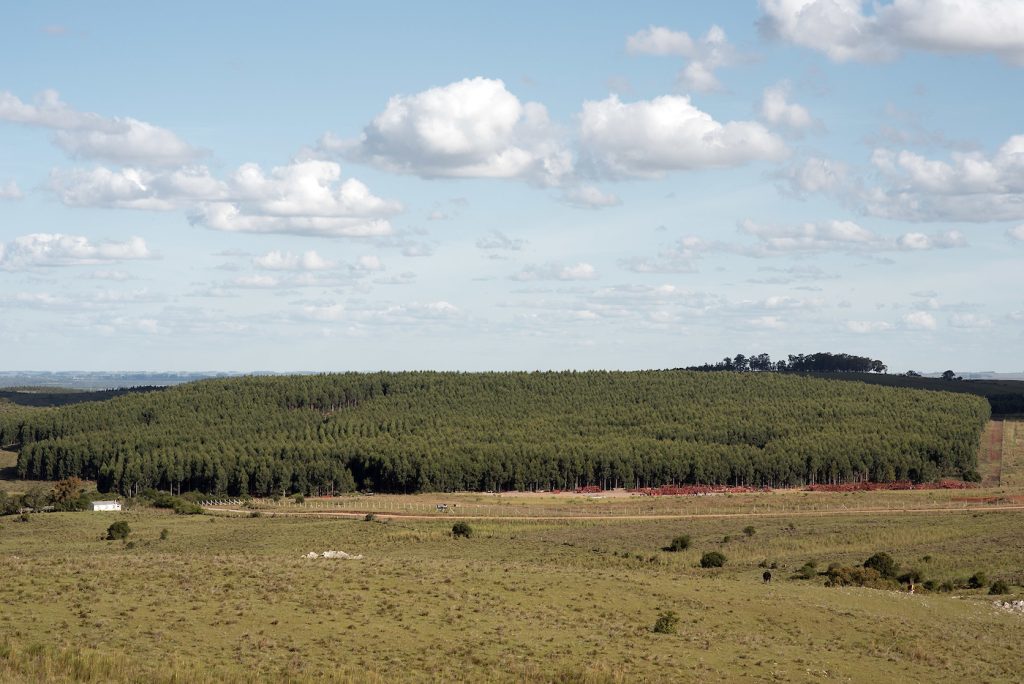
point(63, 396)
point(1006, 397)
point(405, 432)
point(982, 375)
point(102, 380)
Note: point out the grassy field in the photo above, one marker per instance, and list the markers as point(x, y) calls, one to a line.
point(230, 598)
point(569, 600)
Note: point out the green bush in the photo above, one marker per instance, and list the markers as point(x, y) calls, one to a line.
point(807, 571)
point(712, 559)
point(118, 530)
point(180, 505)
point(977, 580)
point(370, 517)
point(299, 498)
point(462, 529)
point(911, 576)
point(680, 543)
point(164, 534)
point(882, 563)
point(999, 587)
point(749, 530)
point(839, 576)
point(666, 623)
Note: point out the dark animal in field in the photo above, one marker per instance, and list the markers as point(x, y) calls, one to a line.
point(767, 577)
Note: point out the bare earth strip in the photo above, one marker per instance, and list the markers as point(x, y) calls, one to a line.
point(655, 516)
point(990, 455)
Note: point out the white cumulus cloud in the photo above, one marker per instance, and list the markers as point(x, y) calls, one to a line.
point(1016, 233)
point(9, 190)
point(589, 197)
point(650, 137)
point(969, 186)
point(277, 260)
point(473, 128)
point(123, 140)
point(553, 271)
point(867, 327)
point(919, 241)
point(845, 31)
point(778, 111)
point(57, 249)
point(705, 55)
point(659, 40)
point(920, 320)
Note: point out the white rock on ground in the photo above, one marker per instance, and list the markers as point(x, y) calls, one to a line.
point(333, 554)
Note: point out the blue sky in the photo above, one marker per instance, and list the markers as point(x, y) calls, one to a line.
point(219, 186)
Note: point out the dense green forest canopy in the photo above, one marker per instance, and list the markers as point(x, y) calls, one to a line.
point(422, 431)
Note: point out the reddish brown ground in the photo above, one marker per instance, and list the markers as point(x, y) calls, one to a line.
point(990, 455)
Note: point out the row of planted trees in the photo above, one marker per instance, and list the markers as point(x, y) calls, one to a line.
point(409, 432)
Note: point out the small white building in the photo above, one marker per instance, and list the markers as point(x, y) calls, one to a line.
point(106, 505)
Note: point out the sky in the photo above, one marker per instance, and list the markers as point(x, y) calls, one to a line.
point(497, 186)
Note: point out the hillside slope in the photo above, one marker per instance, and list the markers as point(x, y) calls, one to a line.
point(488, 431)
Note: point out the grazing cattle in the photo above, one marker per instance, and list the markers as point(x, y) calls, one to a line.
point(767, 577)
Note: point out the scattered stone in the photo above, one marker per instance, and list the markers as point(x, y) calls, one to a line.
point(333, 554)
point(1010, 606)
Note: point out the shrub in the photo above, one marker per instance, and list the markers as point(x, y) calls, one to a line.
point(807, 571)
point(680, 543)
point(255, 514)
point(8, 504)
point(299, 498)
point(712, 559)
point(462, 529)
point(666, 623)
point(370, 517)
point(882, 563)
point(726, 539)
point(164, 534)
point(999, 587)
point(930, 585)
point(911, 576)
point(130, 545)
point(24, 517)
point(839, 576)
point(118, 530)
point(749, 530)
point(946, 586)
point(181, 506)
point(977, 580)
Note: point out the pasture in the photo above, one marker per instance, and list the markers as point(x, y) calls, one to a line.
point(231, 598)
point(560, 588)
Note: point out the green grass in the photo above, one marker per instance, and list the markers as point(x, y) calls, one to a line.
point(569, 601)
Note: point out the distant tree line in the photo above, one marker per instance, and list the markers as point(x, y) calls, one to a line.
point(821, 362)
point(409, 432)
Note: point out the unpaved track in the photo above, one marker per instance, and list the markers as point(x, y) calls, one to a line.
point(652, 516)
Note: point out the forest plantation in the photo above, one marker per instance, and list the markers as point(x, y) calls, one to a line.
point(435, 431)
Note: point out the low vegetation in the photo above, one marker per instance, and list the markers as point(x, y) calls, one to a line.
point(521, 601)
